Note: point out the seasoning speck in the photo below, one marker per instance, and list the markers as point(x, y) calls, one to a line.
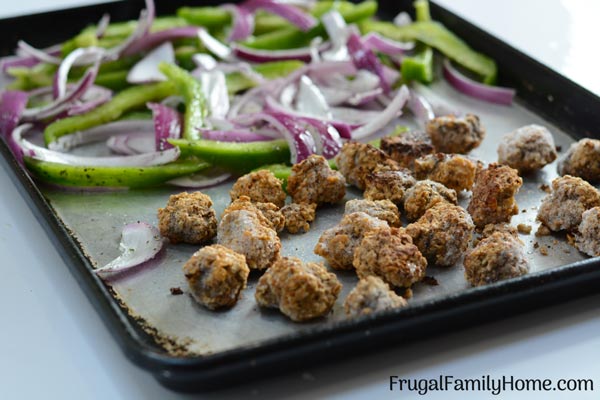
point(176, 291)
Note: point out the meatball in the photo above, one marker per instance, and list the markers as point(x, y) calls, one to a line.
point(382, 209)
point(582, 160)
point(494, 195)
point(216, 276)
point(260, 186)
point(527, 149)
point(496, 257)
point(451, 170)
point(406, 148)
point(563, 207)
point(269, 214)
point(587, 239)
point(451, 134)
point(337, 244)
point(301, 291)
point(424, 195)
point(188, 218)
point(357, 160)
point(371, 295)
point(390, 254)
point(244, 232)
point(313, 181)
point(504, 228)
point(387, 184)
point(442, 234)
point(298, 216)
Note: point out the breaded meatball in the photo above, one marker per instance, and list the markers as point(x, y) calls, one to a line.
point(424, 195)
point(390, 254)
point(496, 257)
point(301, 291)
point(371, 295)
point(216, 276)
point(268, 213)
point(582, 160)
point(563, 207)
point(298, 216)
point(527, 149)
point(388, 184)
point(382, 209)
point(494, 195)
point(442, 234)
point(406, 148)
point(313, 181)
point(244, 232)
point(188, 218)
point(451, 134)
point(337, 244)
point(260, 186)
point(504, 228)
point(451, 170)
point(357, 160)
point(587, 238)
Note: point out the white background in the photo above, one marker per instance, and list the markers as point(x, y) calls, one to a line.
point(53, 345)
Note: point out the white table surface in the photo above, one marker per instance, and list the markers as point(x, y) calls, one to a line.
point(54, 346)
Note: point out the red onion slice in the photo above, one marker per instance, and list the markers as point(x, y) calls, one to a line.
point(310, 100)
point(261, 56)
point(167, 125)
point(27, 61)
point(243, 22)
point(493, 94)
point(95, 96)
point(102, 25)
point(132, 143)
point(393, 110)
point(214, 46)
point(364, 58)
point(143, 27)
point(12, 105)
point(140, 242)
point(146, 70)
point(327, 138)
point(420, 108)
point(61, 76)
point(338, 32)
point(294, 15)
point(234, 135)
point(40, 55)
point(214, 87)
point(376, 42)
point(202, 180)
point(155, 39)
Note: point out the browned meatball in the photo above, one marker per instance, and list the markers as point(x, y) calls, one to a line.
point(587, 239)
point(244, 232)
point(527, 149)
point(298, 216)
point(496, 257)
point(357, 160)
point(371, 295)
point(313, 181)
point(216, 276)
point(390, 254)
point(382, 209)
point(504, 228)
point(582, 160)
point(424, 195)
point(442, 234)
point(188, 218)
point(337, 244)
point(451, 134)
point(494, 195)
point(451, 170)
point(406, 148)
point(570, 197)
point(388, 184)
point(301, 291)
point(261, 186)
point(269, 214)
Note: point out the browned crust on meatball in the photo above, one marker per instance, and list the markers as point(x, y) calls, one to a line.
point(527, 149)
point(424, 195)
point(216, 276)
point(587, 238)
point(301, 291)
point(582, 160)
point(313, 181)
point(388, 184)
point(382, 209)
point(451, 170)
point(260, 186)
point(298, 216)
point(494, 195)
point(188, 218)
point(406, 148)
point(451, 134)
point(371, 295)
point(268, 213)
point(357, 160)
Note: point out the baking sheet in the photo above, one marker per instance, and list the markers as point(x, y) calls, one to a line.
point(184, 328)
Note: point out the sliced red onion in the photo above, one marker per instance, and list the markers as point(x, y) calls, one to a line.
point(95, 96)
point(364, 58)
point(438, 104)
point(327, 138)
point(214, 87)
point(40, 55)
point(294, 15)
point(102, 25)
point(12, 105)
point(214, 46)
point(243, 22)
point(132, 143)
point(403, 19)
point(420, 108)
point(167, 125)
point(204, 61)
point(493, 94)
point(338, 32)
point(234, 135)
point(261, 56)
point(27, 61)
point(354, 116)
point(393, 110)
point(146, 70)
point(376, 42)
point(310, 100)
point(142, 29)
point(140, 242)
point(201, 180)
point(62, 75)
point(155, 39)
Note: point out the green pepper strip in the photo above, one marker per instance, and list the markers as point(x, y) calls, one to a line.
point(116, 177)
point(439, 37)
point(291, 37)
point(127, 100)
point(191, 90)
point(420, 65)
point(234, 156)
